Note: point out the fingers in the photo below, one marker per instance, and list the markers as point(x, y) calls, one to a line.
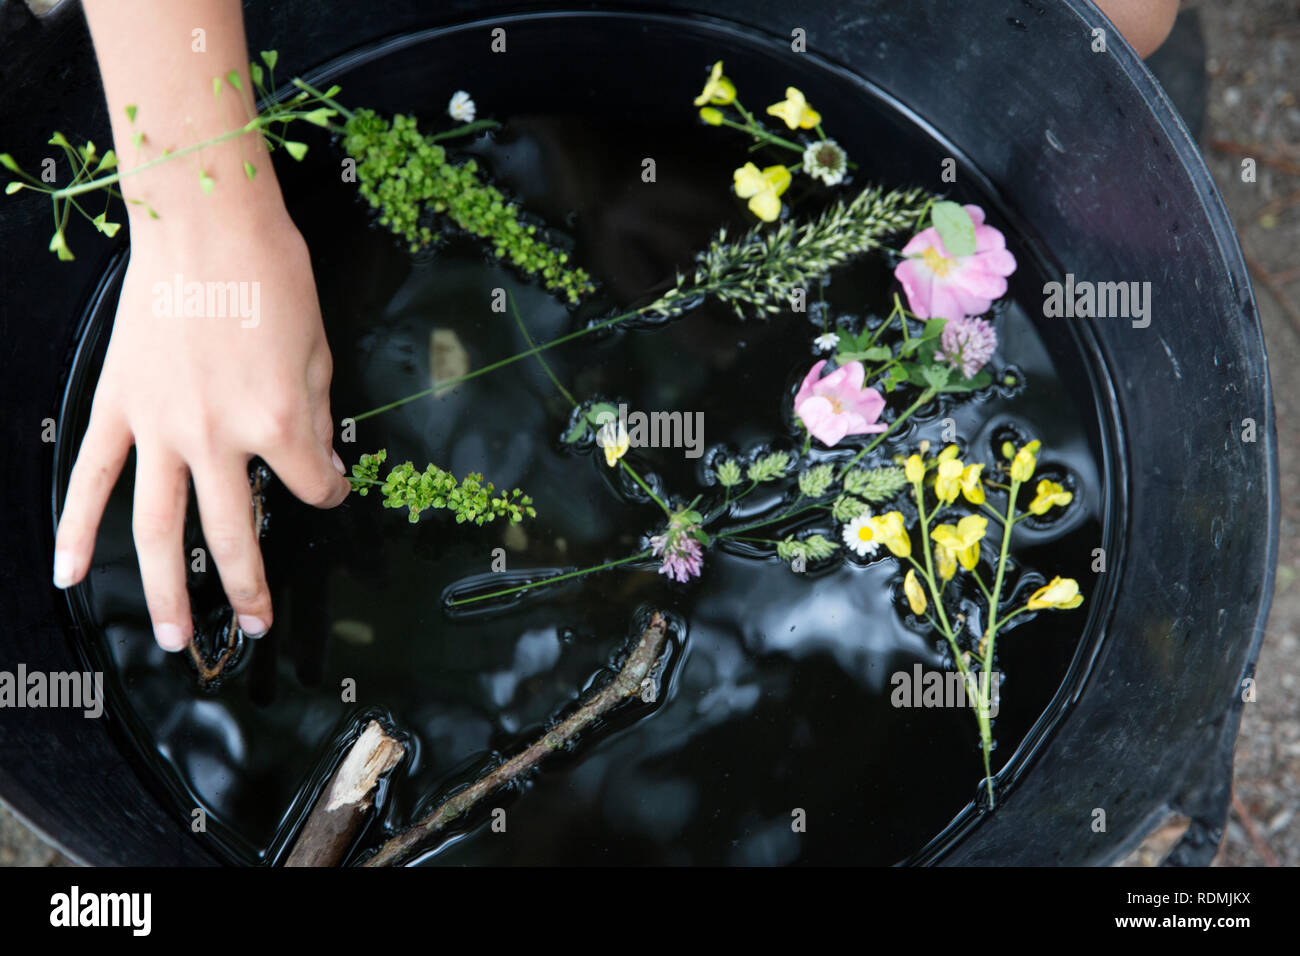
point(226, 511)
point(309, 467)
point(158, 525)
point(323, 428)
point(99, 462)
point(318, 385)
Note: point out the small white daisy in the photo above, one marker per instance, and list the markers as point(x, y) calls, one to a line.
point(461, 107)
point(858, 536)
point(826, 342)
point(825, 160)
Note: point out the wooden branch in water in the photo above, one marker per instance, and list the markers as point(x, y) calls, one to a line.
point(630, 681)
point(209, 672)
point(342, 806)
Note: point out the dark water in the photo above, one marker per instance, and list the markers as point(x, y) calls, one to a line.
point(776, 694)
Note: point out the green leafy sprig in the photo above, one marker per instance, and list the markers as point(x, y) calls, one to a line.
point(92, 172)
point(470, 499)
point(402, 171)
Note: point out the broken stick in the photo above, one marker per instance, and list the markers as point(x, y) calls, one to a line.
point(210, 671)
point(343, 804)
point(630, 681)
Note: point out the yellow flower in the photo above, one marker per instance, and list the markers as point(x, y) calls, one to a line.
point(947, 562)
point(718, 90)
point(970, 484)
point(915, 596)
point(762, 188)
point(711, 116)
point(948, 452)
point(614, 439)
point(963, 539)
point(947, 480)
point(890, 530)
point(794, 109)
point(1026, 460)
point(1049, 495)
point(914, 469)
point(1061, 593)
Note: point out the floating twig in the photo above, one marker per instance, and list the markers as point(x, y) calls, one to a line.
point(1258, 152)
point(342, 806)
point(1248, 822)
point(211, 671)
point(630, 681)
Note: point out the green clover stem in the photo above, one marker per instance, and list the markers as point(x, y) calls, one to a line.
point(551, 580)
point(646, 488)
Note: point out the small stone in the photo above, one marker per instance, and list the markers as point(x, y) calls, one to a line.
point(447, 357)
point(353, 632)
point(515, 538)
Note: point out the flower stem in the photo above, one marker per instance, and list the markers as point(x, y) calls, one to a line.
point(990, 635)
point(465, 130)
point(321, 97)
point(441, 386)
point(646, 488)
point(93, 184)
point(546, 367)
point(925, 397)
point(1002, 623)
point(790, 513)
point(551, 580)
point(929, 565)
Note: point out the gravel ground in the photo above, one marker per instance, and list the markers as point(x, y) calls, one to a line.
point(1253, 64)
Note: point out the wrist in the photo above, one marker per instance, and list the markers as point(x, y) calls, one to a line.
point(212, 194)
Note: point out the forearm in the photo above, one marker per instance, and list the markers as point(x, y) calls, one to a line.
point(1144, 23)
point(151, 58)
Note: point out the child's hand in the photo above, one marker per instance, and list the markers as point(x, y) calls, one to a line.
point(200, 395)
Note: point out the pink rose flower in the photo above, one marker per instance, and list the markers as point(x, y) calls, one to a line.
point(941, 286)
point(838, 405)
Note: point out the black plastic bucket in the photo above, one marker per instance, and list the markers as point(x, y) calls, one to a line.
point(1096, 167)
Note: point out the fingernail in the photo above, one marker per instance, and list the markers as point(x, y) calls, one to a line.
point(169, 637)
point(338, 463)
point(251, 626)
point(63, 569)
